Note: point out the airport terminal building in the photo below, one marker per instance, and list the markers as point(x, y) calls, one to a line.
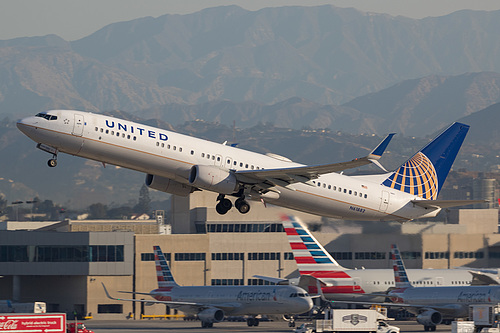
point(65, 264)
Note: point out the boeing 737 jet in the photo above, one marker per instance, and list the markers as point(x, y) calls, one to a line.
point(180, 164)
point(338, 283)
point(438, 304)
point(212, 303)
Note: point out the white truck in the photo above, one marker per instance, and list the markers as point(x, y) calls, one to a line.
point(350, 320)
point(7, 306)
point(485, 317)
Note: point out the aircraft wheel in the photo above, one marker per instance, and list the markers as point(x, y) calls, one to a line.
point(220, 209)
point(250, 322)
point(52, 162)
point(242, 206)
point(255, 322)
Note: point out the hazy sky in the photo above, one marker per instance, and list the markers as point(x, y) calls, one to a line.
point(74, 19)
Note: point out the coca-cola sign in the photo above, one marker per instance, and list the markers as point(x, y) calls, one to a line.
point(43, 322)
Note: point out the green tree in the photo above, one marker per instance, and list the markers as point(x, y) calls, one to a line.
point(98, 211)
point(144, 205)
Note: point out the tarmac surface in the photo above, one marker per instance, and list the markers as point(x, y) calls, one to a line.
point(157, 326)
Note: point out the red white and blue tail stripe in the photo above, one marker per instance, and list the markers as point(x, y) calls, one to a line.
point(309, 254)
point(163, 273)
point(400, 276)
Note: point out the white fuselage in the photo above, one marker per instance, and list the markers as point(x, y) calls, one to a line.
point(171, 155)
point(240, 300)
point(365, 284)
point(452, 302)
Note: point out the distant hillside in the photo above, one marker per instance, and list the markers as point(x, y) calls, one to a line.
point(485, 127)
point(323, 54)
point(421, 106)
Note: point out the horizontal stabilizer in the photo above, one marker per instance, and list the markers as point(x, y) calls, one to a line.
point(278, 281)
point(445, 203)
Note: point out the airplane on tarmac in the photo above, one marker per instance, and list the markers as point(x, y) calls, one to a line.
point(435, 305)
point(338, 283)
point(180, 164)
point(212, 303)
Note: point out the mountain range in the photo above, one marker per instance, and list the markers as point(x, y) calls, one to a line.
point(276, 64)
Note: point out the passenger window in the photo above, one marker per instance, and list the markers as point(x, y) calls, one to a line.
point(180, 149)
point(107, 131)
point(175, 148)
point(192, 152)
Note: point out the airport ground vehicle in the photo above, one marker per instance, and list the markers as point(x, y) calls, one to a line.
point(33, 322)
point(80, 328)
point(7, 306)
point(350, 320)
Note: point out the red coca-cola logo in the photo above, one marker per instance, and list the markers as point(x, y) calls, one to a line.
point(9, 325)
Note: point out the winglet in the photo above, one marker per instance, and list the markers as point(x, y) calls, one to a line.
point(379, 150)
point(107, 293)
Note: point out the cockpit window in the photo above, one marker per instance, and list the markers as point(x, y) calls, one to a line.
point(46, 116)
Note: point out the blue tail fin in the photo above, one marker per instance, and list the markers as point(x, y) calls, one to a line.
point(424, 174)
point(163, 273)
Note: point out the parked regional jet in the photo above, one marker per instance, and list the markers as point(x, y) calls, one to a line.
point(180, 164)
point(438, 304)
point(342, 284)
point(212, 303)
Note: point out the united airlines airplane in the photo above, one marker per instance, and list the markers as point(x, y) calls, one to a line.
point(338, 283)
point(212, 303)
point(180, 164)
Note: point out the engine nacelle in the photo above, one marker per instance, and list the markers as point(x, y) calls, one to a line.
point(429, 318)
point(212, 178)
point(168, 185)
point(212, 315)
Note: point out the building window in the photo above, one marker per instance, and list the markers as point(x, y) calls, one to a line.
point(264, 256)
point(227, 282)
point(341, 255)
point(369, 255)
point(109, 308)
point(189, 256)
point(259, 282)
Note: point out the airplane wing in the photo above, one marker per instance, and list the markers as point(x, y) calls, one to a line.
point(481, 278)
point(287, 176)
point(196, 307)
point(445, 203)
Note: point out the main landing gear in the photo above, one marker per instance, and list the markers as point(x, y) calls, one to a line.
point(224, 205)
point(252, 321)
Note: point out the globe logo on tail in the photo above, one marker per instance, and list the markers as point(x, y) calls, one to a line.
point(417, 176)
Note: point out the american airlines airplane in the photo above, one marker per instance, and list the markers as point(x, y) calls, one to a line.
point(180, 164)
point(438, 304)
point(212, 303)
point(338, 283)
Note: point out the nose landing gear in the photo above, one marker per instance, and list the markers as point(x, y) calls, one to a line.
point(52, 162)
point(51, 150)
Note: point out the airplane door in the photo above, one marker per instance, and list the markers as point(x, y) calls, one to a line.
point(439, 281)
point(384, 203)
point(78, 125)
point(356, 284)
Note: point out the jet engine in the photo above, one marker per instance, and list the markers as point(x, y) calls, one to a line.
point(213, 178)
point(168, 185)
point(211, 315)
point(429, 318)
